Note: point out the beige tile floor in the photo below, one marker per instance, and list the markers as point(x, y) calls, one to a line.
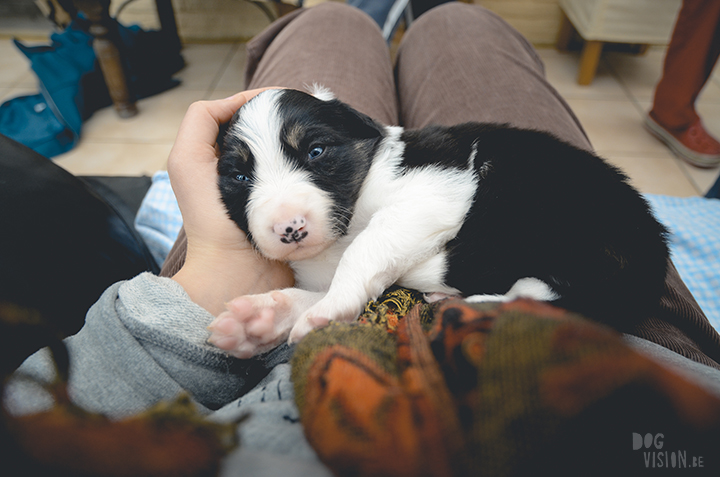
point(611, 110)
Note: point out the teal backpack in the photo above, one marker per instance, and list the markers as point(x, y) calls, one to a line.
point(72, 87)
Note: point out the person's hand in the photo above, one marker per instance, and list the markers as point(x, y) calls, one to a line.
point(220, 263)
point(192, 168)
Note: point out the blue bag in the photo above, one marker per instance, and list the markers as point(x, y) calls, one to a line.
point(72, 87)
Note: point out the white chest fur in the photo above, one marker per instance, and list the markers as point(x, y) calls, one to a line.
point(404, 217)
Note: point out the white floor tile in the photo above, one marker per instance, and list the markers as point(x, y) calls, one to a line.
point(709, 112)
point(9, 93)
point(221, 94)
point(702, 179)
point(561, 70)
point(204, 64)
point(638, 73)
point(115, 158)
point(233, 77)
point(653, 174)
point(158, 119)
point(615, 125)
point(14, 66)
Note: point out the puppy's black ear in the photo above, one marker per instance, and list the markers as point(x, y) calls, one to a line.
point(359, 125)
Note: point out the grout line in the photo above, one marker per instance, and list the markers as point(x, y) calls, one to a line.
point(123, 141)
point(681, 165)
point(639, 154)
point(224, 66)
point(641, 111)
point(685, 168)
point(626, 89)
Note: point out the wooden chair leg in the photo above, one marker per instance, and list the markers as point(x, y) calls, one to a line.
point(108, 55)
point(589, 61)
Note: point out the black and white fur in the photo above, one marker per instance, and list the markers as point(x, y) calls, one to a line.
point(473, 209)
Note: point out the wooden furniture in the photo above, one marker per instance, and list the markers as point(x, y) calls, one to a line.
point(106, 43)
point(643, 22)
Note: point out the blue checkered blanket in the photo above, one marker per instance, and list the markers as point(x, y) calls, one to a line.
point(158, 220)
point(694, 223)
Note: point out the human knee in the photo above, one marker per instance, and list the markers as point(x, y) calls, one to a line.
point(458, 12)
point(462, 18)
point(332, 11)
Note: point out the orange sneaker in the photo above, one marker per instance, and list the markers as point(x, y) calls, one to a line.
point(694, 144)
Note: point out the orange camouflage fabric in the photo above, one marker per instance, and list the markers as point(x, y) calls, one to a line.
point(495, 389)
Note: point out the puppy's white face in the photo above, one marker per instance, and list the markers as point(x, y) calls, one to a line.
point(291, 170)
point(287, 215)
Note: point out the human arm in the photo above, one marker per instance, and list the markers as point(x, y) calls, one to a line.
point(145, 339)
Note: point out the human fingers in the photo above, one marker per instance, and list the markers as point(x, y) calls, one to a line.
point(193, 158)
point(197, 135)
point(192, 166)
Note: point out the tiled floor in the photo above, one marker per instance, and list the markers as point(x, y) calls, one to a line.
point(611, 110)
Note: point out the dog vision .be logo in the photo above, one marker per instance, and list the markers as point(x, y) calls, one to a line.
point(655, 456)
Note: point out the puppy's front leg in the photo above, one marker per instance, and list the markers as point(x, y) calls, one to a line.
point(254, 324)
point(377, 258)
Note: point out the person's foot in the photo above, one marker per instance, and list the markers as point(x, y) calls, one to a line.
point(694, 144)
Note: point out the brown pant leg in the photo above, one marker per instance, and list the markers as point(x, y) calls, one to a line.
point(176, 256)
point(461, 63)
point(333, 45)
point(691, 55)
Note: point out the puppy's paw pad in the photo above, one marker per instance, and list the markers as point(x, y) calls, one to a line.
point(226, 332)
point(252, 324)
point(262, 328)
point(227, 343)
point(226, 324)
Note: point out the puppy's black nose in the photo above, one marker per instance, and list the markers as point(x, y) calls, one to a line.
point(292, 230)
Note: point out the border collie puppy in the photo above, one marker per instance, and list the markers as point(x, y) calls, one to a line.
point(473, 209)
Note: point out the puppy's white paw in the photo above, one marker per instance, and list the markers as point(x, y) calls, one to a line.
point(523, 288)
point(253, 324)
point(305, 326)
point(320, 316)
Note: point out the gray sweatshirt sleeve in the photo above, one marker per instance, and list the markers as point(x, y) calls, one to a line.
point(145, 341)
point(142, 342)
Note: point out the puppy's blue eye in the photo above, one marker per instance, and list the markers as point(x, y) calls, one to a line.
point(242, 178)
point(315, 152)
